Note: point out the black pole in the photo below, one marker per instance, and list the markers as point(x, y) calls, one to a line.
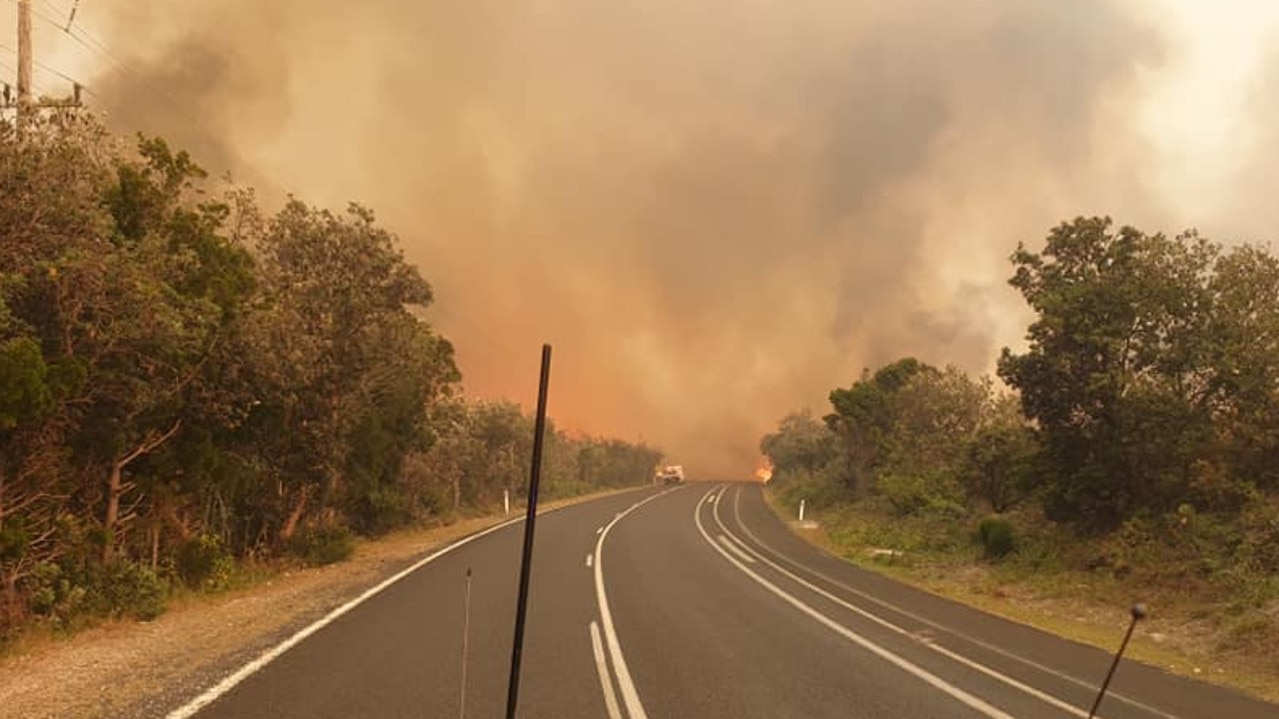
point(530, 518)
point(1138, 613)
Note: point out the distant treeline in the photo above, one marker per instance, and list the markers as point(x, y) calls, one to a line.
point(1143, 416)
point(187, 381)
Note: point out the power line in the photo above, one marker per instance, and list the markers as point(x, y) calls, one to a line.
point(97, 46)
point(52, 70)
point(57, 8)
point(86, 40)
point(39, 13)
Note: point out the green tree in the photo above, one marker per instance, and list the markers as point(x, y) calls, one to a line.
point(862, 419)
point(1115, 373)
point(800, 444)
point(1244, 357)
point(998, 467)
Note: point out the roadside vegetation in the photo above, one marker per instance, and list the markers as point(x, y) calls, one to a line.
point(1131, 451)
point(195, 391)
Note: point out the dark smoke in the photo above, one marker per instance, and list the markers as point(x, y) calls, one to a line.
point(716, 210)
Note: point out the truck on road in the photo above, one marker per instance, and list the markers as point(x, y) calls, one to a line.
point(670, 474)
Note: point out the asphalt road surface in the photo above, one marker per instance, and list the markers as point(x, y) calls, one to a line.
point(691, 602)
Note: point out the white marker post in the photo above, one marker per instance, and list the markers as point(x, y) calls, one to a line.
point(801, 510)
point(506, 502)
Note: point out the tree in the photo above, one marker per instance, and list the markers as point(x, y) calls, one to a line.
point(1244, 357)
point(338, 295)
point(998, 467)
point(862, 418)
point(1114, 375)
point(800, 444)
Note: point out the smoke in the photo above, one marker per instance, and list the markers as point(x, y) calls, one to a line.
point(716, 210)
point(1251, 188)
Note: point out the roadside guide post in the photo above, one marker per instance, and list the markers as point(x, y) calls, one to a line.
point(1138, 613)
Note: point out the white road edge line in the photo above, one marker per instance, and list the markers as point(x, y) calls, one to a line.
point(610, 695)
point(736, 550)
point(940, 627)
point(919, 672)
point(630, 697)
point(212, 694)
point(959, 658)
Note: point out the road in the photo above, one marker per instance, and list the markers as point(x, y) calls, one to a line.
point(691, 602)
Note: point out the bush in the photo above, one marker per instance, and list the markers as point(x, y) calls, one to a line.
point(324, 544)
point(68, 596)
point(818, 490)
point(560, 489)
point(204, 563)
point(1259, 548)
point(130, 589)
point(997, 537)
point(918, 495)
point(380, 511)
point(52, 594)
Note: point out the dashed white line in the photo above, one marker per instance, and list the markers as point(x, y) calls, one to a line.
point(589, 559)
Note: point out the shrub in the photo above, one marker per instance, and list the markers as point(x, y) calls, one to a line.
point(912, 494)
point(204, 563)
point(997, 537)
point(70, 596)
point(819, 490)
point(323, 544)
point(131, 589)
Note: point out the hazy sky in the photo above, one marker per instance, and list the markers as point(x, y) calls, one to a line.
point(717, 210)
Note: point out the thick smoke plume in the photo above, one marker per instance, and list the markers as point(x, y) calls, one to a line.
point(716, 210)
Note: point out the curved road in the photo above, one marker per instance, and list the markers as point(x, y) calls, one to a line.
point(692, 602)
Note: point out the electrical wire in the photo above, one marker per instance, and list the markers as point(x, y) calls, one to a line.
point(96, 46)
point(51, 70)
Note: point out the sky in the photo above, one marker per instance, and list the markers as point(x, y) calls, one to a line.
point(715, 210)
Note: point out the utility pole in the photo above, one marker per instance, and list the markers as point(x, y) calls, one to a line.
point(25, 100)
point(26, 104)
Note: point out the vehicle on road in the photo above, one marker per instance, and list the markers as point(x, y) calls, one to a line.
point(670, 474)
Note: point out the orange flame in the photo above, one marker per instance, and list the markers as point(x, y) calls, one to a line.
point(765, 469)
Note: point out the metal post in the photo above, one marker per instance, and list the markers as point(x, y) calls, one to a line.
point(466, 643)
point(801, 510)
point(506, 502)
point(526, 566)
point(1138, 614)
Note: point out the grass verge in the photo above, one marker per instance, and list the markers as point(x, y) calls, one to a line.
point(1193, 630)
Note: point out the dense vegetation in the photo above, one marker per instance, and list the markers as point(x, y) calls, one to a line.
point(187, 381)
point(1136, 449)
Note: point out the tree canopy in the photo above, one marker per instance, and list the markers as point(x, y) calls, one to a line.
point(186, 379)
